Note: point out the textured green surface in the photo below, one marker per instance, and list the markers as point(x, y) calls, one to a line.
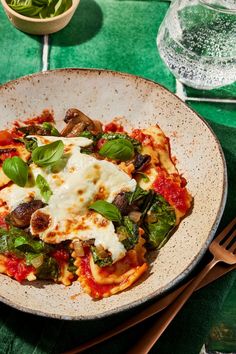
point(20, 53)
point(228, 91)
point(118, 35)
point(121, 35)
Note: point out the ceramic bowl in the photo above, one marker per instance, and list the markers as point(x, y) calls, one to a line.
point(138, 102)
point(40, 26)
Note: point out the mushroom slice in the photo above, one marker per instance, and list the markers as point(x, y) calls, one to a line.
point(77, 122)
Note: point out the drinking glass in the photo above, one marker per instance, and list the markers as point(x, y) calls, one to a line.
point(197, 41)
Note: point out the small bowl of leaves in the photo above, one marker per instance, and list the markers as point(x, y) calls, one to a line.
point(40, 16)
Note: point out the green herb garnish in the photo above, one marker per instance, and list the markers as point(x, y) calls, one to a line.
point(17, 170)
point(49, 154)
point(118, 149)
point(44, 188)
point(108, 210)
point(40, 8)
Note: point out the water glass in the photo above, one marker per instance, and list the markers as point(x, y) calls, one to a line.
point(197, 41)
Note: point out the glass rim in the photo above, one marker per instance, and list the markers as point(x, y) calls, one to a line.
point(217, 8)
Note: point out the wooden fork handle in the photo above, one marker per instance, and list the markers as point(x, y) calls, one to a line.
point(147, 341)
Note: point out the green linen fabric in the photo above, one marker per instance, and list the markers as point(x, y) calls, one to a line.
point(118, 35)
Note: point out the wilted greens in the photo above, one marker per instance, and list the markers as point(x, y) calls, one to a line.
point(40, 8)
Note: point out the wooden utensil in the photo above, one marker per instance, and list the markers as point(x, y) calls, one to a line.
point(218, 271)
point(223, 249)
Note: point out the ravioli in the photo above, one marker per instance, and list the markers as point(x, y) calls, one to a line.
point(102, 203)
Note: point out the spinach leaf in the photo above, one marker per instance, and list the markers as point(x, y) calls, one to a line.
point(49, 269)
point(47, 155)
point(30, 143)
point(102, 259)
point(159, 220)
point(16, 240)
point(128, 233)
point(137, 194)
point(118, 149)
point(108, 210)
point(44, 188)
point(17, 170)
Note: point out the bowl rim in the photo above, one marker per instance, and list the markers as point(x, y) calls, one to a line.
point(178, 279)
point(74, 5)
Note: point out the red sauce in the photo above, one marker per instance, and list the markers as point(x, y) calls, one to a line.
point(5, 138)
point(3, 223)
point(17, 268)
point(46, 116)
point(172, 191)
point(61, 256)
point(6, 155)
point(97, 290)
point(145, 139)
point(113, 127)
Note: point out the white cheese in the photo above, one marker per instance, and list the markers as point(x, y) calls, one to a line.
point(81, 181)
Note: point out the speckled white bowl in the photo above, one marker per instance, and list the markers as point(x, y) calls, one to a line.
point(104, 95)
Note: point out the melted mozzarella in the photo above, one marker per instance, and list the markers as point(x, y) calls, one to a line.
point(75, 186)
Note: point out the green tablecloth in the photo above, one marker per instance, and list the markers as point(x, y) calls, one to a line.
point(118, 35)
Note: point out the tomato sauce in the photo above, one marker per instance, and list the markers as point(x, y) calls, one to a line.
point(144, 139)
point(61, 256)
point(8, 154)
point(5, 138)
point(17, 268)
point(172, 191)
point(97, 290)
point(46, 116)
point(113, 127)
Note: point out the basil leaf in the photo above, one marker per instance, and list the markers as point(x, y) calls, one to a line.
point(17, 170)
point(108, 210)
point(86, 134)
point(111, 136)
point(44, 188)
point(51, 129)
point(47, 155)
point(118, 149)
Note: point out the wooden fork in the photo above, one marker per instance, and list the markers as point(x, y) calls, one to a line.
point(223, 249)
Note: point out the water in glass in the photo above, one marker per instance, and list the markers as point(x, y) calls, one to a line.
point(197, 41)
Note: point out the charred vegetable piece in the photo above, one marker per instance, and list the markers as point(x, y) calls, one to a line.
point(159, 220)
point(100, 256)
point(128, 233)
point(141, 161)
point(121, 201)
point(21, 215)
